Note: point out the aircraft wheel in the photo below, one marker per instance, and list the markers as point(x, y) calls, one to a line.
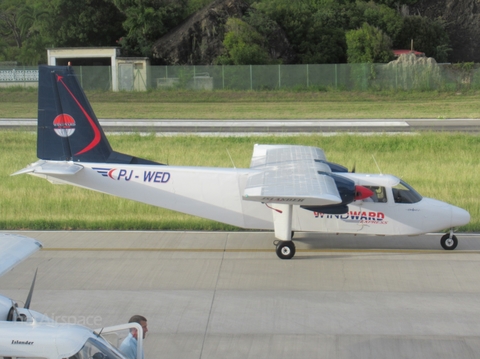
point(285, 249)
point(449, 243)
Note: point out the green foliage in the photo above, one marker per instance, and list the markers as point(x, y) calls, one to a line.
point(84, 23)
point(429, 36)
point(385, 18)
point(243, 45)
point(196, 5)
point(146, 21)
point(314, 28)
point(368, 45)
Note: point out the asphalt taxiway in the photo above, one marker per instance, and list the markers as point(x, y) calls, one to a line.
point(269, 126)
point(227, 295)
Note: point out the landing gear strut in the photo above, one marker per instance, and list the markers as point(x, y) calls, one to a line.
point(449, 241)
point(285, 249)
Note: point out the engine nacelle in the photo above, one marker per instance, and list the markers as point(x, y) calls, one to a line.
point(6, 311)
point(348, 191)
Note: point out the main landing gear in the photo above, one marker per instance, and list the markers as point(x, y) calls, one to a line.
point(449, 241)
point(285, 249)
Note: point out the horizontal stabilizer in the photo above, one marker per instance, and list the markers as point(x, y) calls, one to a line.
point(291, 175)
point(51, 168)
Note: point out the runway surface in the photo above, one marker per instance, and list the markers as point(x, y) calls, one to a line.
point(227, 295)
point(273, 126)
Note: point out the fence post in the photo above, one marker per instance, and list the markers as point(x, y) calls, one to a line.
point(336, 77)
point(279, 78)
point(194, 79)
point(251, 78)
point(308, 79)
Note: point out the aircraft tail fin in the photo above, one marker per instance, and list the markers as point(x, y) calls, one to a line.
point(68, 129)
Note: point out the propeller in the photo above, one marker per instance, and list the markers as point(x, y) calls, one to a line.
point(353, 168)
point(30, 293)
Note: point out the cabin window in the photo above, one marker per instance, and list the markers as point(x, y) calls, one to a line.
point(95, 349)
point(404, 193)
point(379, 194)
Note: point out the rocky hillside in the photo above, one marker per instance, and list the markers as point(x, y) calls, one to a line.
point(199, 39)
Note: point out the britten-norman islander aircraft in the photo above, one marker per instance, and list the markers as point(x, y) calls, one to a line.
point(286, 189)
point(25, 333)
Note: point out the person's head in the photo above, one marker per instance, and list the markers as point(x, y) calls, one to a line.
point(140, 320)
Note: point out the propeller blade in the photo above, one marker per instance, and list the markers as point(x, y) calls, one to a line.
point(353, 169)
point(30, 293)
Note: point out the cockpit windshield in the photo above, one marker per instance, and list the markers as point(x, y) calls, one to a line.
point(404, 193)
point(95, 349)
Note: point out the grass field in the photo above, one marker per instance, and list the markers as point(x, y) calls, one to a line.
point(443, 166)
point(21, 103)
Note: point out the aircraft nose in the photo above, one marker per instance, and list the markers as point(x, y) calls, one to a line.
point(460, 217)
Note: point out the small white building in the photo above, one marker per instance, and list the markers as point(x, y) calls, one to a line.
point(126, 73)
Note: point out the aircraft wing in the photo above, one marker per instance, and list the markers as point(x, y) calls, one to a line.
point(290, 175)
point(14, 249)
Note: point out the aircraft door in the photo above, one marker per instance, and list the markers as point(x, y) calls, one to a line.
point(373, 211)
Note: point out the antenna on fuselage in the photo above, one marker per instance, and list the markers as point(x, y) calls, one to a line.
point(231, 159)
point(374, 160)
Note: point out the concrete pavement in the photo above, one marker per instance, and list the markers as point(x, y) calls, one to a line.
point(227, 295)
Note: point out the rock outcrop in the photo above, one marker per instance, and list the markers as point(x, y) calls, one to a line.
point(199, 40)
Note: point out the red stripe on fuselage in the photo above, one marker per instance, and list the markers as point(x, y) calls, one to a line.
point(97, 136)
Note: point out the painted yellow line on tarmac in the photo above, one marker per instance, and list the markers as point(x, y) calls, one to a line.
point(259, 250)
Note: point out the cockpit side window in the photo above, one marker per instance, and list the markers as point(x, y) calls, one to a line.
point(379, 194)
point(94, 349)
point(404, 193)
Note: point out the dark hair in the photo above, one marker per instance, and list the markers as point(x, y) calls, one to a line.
point(137, 319)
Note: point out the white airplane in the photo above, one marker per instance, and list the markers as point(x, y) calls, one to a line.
point(25, 333)
point(286, 189)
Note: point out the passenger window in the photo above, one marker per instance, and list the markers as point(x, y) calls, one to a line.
point(379, 194)
point(403, 193)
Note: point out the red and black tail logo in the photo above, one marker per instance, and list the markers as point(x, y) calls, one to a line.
point(64, 124)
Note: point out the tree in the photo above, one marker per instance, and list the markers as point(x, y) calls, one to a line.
point(146, 21)
point(429, 36)
point(314, 28)
point(243, 45)
point(9, 28)
point(368, 44)
point(385, 18)
point(84, 23)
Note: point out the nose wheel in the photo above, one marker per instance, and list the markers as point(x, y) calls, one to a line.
point(449, 242)
point(285, 249)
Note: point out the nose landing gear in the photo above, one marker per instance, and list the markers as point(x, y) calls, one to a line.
point(449, 241)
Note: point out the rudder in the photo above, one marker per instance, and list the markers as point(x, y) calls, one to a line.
point(68, 129)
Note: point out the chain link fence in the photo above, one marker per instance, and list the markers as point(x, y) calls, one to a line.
point(345, 77)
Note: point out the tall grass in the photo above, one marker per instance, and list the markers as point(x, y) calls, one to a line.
point(439, 165)
point(183, 104)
